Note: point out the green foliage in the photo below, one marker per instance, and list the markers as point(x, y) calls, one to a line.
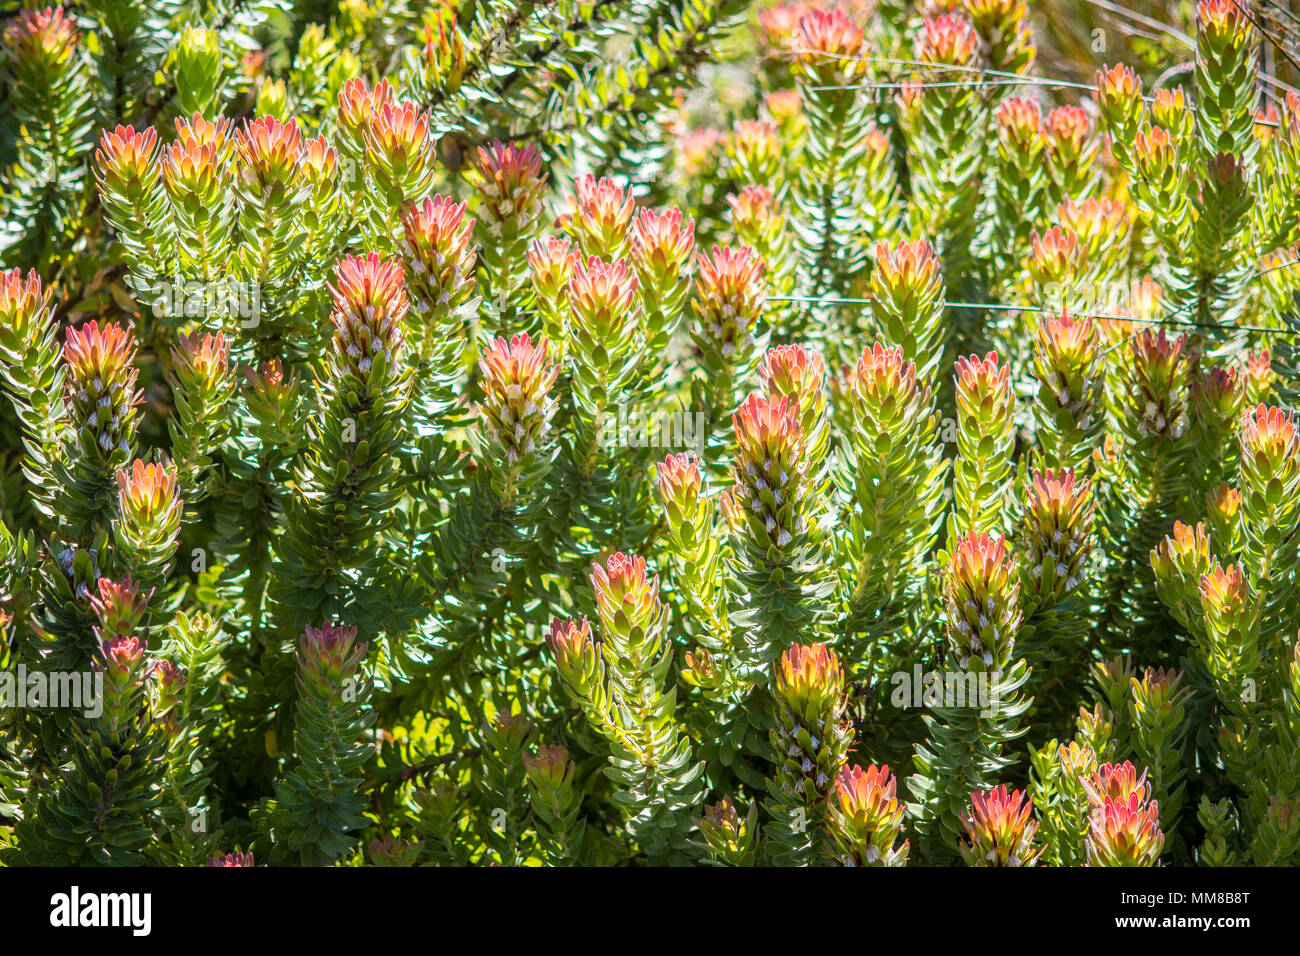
point(556, 433)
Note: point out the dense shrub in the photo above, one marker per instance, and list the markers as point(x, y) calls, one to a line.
point(635, 431)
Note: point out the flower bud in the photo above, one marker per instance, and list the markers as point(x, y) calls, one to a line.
point(627, 599)
point(810, 736)
point(1157, 384)
point(908, 302)
point(769, 469)
point(120, 608)
point(867, 818)
point(679, 483)
point(754, 150)
point(440, 254)
point(515, 413)
point(358, 104)
point(983, 600)
point(602, 213)
point(1058, 535)
point(102, 395)
point(369, 305)
point(1000, 829)
point(831, 48)
point(511, 185)
point(328, 656)
point(729, 295)
point(729, 837)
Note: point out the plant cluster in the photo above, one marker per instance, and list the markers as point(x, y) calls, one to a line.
point(644, 431)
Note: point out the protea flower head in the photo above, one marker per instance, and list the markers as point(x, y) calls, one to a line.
point(679, 483)
point(41, 44)
point(949, 40)
point(399, 150)
point(202, 365)
point(369, 306)
point(269, 152)
point(1223, 509)
point(785, 107)
point(1004, 27)
point(1179, 562)
point(884, 385)
point(662, 244)
point(810, 737)
point(1270, 449)
point(798, 374)
point(147, 496)
point(1119, 94)
point(830, 48)
point(1068, 132)
point(1000, 829)
point(697, 151)
point(550, 769)
point(168, 685)
point(231, 859)
point(1020, 126)
point(1259, 377)
point(1158, 694)
point(1216, 396)
point(808, 673)
point(439, 251)
point(1156, 154)
point(867, 817)
point(358, 105)
point(125, 666)
point(218, 133)
point(1125, 832)
point(754, 149)
point(327, 656)
point(1169, 108)
point(907, 301)
point(119, 606)
point(770, 465)
point(517, 407)
point(728, 835)
point(1067, 364)
point(753, 212)
point(319, 165)
point(1157, 382)
point(552, 261)
point(985, 400)
point(511, 184)
point(1077, 761)
point(571, 644)
point(25, 317)
point(729, 296)
point(1058, 533)
point(1222, 24)
point(271, 396)
point(602, 214)
point(1117, 782)
point(102, 393)
point(601, 297)
point(125, 164)
point(983, 599)
point(779, 25)
point(194, 166)
point(1099, 223)
point(627, 599)
point(1057, 259)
